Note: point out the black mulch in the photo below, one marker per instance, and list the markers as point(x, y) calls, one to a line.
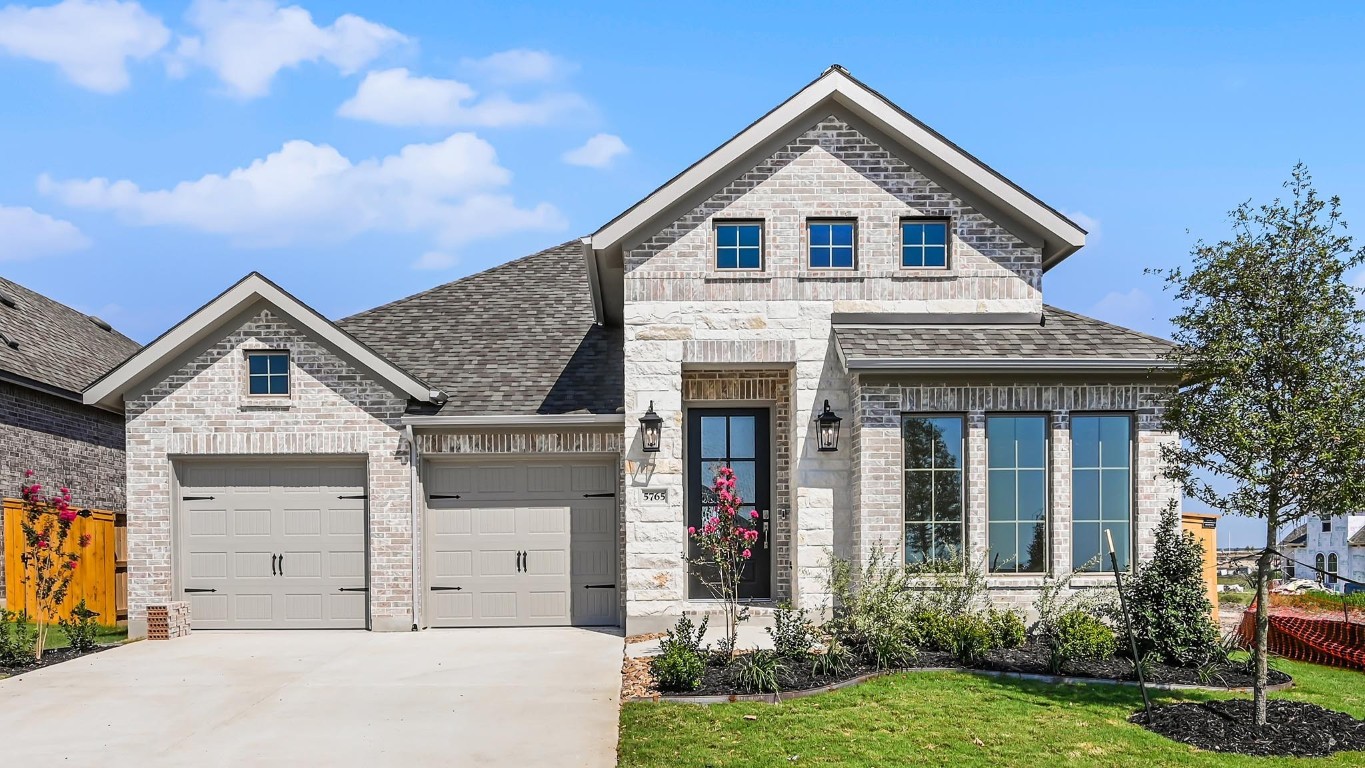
point(49, 658)
point(1293, 728)
point(796, 675)
point(1032, 659)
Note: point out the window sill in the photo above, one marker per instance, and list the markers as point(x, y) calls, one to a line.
point(831, 275)
point(922, 273)
point(737, 277)
point(247, 405)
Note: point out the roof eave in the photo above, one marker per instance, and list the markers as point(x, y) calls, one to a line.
point(979, 364)
point(532, 420)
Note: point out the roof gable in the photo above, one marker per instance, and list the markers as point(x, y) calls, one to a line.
point(210, 319)
point(55, 348)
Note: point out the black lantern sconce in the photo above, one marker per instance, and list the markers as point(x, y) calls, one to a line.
point(829, 429)
point(651, 428)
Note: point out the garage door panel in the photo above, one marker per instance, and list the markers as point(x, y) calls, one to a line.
point(497, 562)
point(546, 562)
point(446, 521)
point(491, 521)
point(453, 564)
point(594, 519)
point(594, 478)
point(546, 520)
point(548, 605)
point(206, 477)
point(501, 480)
point(275, 545)
point(542, 478)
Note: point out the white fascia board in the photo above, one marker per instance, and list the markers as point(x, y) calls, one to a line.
point(529, 420)
point(838, 86)
point(108, 390)
point(949, 364)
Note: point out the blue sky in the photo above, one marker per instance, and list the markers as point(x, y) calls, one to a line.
point(389, 147)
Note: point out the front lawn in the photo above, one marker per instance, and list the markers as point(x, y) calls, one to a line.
point(951, 718)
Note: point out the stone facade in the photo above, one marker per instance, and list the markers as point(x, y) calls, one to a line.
point(65, 443)
point(682, 316)
point(201, 410)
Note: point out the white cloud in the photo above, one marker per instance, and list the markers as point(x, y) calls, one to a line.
point(309, 192)
point(89, 40)
point(246, 42)
point(396, 97)
point(597, 152)
point(519, 65)
point(435, 260)
point(28, 234)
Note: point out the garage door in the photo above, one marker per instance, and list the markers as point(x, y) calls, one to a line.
point(274, 544)
point(521, 543)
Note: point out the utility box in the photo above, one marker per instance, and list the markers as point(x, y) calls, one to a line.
point(1204, 527)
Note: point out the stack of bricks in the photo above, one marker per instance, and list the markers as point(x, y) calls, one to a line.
point(168, 621)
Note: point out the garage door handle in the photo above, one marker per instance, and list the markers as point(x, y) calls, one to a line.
point(272, 565)
point(354, 589)
point(521, 562)
point(446, 589)
point(193, 589)
point(281, 565)
point(599, 586)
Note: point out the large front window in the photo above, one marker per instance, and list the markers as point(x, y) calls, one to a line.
point(933, 488)
point(1016, 497)
point(1101, 490)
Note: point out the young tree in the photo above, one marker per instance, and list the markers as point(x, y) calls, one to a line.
point(1270, 407)
point(49, 559)
point(725, 540)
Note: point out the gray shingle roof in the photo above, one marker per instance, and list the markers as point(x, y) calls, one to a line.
point(1296, 538)
point(58, 347)
point(1061, 334)
point(517, 339)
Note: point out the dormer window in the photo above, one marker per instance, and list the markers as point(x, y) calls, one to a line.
point(924, 243)
point(739, 245)
point(831, 243)
point(267, 373)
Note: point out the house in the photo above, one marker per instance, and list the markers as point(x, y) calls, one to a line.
point(49, 352)
point(1328, 550)
point(839, 303)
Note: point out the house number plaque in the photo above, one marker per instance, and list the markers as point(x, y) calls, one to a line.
point(655, 495)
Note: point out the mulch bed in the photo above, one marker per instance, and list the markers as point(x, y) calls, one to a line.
point(1293, 728)
point(1032, 659)
point(49, 658)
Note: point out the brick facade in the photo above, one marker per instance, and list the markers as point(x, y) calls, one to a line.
point(201, 410)
point(66, 443)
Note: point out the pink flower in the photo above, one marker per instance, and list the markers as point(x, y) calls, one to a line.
point(751, 535)
point(85, 540)
point(65, 491)
point(28, 473)
point(42, 543)
point(67, 515)
point(745, 554)
point(71, 565)
point(753, 515)
point(692, 530)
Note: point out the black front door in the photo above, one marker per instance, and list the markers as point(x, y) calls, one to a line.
point(737, 438)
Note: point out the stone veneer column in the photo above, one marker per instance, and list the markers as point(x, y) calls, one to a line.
point(978, 541)
point(878, 471)
point(1059, 485)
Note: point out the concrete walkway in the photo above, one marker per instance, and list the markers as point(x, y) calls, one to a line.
point(504, 697)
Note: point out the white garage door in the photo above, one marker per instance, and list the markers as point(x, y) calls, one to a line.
point(277, 544)
point(521, 543)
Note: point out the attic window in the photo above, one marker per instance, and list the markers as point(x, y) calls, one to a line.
point(924, 243)
point(739, 245)
point(267, 373)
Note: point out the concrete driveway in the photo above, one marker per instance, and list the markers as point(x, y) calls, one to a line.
point(492, 697)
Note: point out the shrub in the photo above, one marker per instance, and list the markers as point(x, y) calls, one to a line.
point(1007, 628)
point(17, 638)
point(1079, 636)
point(678, 669)
point(686, 635)
point(972, 638)
point(792, 632)
point(833, 661)
point(758, 672)
point(81, 628)
point(1170, 609)
point(933, 630)
point(873, 615)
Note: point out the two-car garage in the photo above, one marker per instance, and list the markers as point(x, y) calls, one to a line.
point(282, 543)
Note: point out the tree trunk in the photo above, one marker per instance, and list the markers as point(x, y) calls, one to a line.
point(1261, 653)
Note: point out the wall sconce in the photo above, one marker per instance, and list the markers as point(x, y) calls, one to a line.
point(829, 429)
point(651, 428)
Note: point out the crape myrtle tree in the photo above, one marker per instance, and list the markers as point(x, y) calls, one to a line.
point(1270, 408)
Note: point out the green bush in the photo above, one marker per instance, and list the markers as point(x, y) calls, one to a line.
point(873, 614)
point(1079, 636)
point(18, 638)
point(685, 635)
point(934, 630)
point(1007, 628)
point(1167, 601)
point(678, 669)
point(972, 638)
point(758, 672)
point(81, 628)
point(792, 632)
point(833, 661)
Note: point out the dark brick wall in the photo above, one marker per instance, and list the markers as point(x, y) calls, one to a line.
point(66, 443)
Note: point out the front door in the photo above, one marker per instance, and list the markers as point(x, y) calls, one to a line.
point(737, 438)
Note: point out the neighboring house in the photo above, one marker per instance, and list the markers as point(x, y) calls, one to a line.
point(486, 452)
point(1334, 547)
point(49, 352)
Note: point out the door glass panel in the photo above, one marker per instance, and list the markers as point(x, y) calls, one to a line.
point(742, 437)
point(712, 439)
point(745, 480)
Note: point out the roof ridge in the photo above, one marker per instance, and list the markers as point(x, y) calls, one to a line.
point(433, 289)
point(1107, 324)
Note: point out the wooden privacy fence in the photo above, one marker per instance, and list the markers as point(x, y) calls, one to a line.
point(101, 579)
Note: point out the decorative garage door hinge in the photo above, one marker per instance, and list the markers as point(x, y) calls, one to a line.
point(196, 498)
point(354, 589)
point(195, 589)
point(599, 586)
point(443, 496)
point(446, 589)
point(357, 496)
point(611, 495)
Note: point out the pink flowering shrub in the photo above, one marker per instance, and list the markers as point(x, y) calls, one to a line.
point(50, 557)
point(725, 542)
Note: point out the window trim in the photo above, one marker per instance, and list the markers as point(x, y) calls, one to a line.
point(1047, 492)
point(1320, 565)
point(1332, 564)
point(947, 242)
point(288, 373)
point(1132, 486)
point(762, 225)
point(965, 471)
point(853, 220)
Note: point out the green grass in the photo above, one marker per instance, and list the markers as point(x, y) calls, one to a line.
point(953, 718)
point(56, 638)
point(1235, 598)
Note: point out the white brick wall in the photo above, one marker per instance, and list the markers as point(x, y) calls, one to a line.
point(200, 410)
